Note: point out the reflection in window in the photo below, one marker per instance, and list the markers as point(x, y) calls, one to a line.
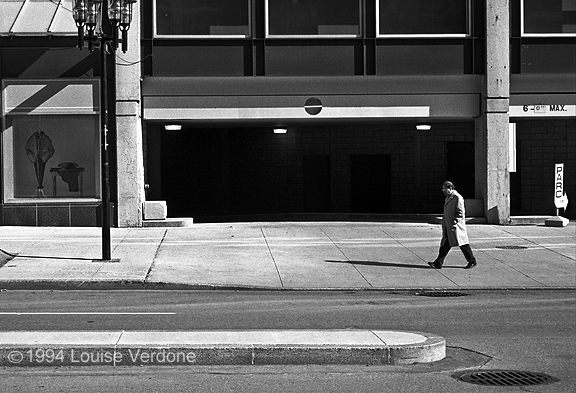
point(52, 156)
point(202, 18)
point(549, 17)
point(417, 17)
point(313, 18)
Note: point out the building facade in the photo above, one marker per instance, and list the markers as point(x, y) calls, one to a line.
point(283, 106)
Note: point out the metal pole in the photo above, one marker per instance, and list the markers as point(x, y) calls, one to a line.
point(106, 253)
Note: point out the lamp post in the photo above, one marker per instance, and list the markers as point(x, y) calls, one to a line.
point(89, 16)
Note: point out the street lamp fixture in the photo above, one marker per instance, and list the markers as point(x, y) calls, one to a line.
point(89, 16)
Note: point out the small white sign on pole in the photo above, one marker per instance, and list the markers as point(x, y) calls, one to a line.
point(560, 198)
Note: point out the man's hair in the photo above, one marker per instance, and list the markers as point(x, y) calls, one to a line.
point(448, 184)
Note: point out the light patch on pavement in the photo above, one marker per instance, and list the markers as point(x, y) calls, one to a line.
point(87, 313)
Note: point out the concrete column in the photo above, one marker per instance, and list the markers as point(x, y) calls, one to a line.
point(130, 162)
point(492, 176)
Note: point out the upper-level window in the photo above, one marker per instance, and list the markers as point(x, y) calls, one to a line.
point(202, 18)
point(549, 18)
point(409, 18)
point(39, 17)
point(313, 18)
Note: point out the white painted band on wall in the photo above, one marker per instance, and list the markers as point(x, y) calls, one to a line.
point(285, 113)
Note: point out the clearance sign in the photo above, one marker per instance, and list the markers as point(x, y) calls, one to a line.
point(542, 110)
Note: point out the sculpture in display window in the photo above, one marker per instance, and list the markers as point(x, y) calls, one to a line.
point(39, 150)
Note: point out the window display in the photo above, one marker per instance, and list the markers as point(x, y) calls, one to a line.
point(51, 156)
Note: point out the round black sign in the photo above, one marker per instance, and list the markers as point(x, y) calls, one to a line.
point(313, 106)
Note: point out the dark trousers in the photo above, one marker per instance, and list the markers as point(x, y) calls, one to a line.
point(445, 248)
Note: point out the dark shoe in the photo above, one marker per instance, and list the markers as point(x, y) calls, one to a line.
point(435, 265)
point(470, 265)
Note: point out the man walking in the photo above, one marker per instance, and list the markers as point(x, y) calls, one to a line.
point(453, 228)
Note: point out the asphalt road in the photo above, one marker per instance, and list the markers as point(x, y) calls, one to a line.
point(520, 330)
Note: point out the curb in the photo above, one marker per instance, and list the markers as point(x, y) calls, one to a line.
point(256, 347)
point(140, 285)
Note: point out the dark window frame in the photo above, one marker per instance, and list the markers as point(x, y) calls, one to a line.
point(228, 35)
point(467, 33)
point(523, 18)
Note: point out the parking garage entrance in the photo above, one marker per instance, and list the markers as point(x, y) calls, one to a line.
point(212, 174)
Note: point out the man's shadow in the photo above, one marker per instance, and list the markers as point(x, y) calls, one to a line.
point(387, 264)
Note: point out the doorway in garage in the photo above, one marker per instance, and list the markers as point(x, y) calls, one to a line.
point(195, 173)
point(460, 167)
point(316, 183)
point(370, 181)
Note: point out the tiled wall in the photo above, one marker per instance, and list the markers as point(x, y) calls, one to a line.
point(541, 144)
point(64, 214)
point(432, 166)
point(254, 171)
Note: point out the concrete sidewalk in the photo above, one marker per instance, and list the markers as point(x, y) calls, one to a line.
point(274, 256)
point(286, 256)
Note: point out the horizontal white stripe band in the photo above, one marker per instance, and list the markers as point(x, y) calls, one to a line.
point(284, 113)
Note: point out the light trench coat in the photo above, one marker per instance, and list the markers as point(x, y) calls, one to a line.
point(454, 221)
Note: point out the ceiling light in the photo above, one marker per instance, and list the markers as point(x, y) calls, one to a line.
point(280, 130)
point(423, 127)
point(173, 126)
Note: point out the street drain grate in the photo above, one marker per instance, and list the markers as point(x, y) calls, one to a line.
point(507, 378)
point(441, 294)
point(512, 247)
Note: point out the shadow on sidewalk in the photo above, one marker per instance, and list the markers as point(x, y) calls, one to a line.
point(388, 264)
point(5, 257)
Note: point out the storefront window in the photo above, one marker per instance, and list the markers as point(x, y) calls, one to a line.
point(422, 18)
point(202, 18)
point(305, 18)
point(549, 18)
point(51, 157)
point(50, 140)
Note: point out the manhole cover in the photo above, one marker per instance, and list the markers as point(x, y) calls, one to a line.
point(512, 247)
point(507, 378)
point(442, 294)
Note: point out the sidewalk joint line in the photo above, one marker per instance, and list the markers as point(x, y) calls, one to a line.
point(149, 272)
point(375, 335)
point(402, 245)
point(516, 270)
point(416, 255)
point(348, 259)
point(116, 347)
point(273, 261)
point(121, 240)
point(538, 245)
